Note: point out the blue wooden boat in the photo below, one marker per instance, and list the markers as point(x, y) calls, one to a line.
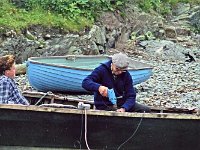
point(65, 73)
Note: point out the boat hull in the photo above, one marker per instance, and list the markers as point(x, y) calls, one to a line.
point(45, 74)
point(64, 128)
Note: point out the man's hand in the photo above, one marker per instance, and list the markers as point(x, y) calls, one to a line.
point(121, 110)
point(103, 91)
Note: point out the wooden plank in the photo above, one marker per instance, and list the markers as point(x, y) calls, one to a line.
point(35, 94)
point(49, 96)
point(100, 112)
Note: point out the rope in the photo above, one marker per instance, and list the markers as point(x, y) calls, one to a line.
point(80, 138)
point(81, 129)
point(49, 92)
point(133, 132)
point(86, 130)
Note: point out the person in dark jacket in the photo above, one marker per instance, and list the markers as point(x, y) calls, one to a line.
point(113, 75)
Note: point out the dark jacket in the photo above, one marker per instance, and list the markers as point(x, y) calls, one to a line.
point(122, 85)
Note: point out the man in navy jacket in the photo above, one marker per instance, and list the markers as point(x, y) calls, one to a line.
point(113, 75)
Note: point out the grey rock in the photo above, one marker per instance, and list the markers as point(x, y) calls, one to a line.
point(195, 20)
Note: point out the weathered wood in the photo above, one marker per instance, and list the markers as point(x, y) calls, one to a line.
point(34, 126)
point(20, 69)
point(100, 112)
point(174, 110)
point(65, 99)
point(50, 96)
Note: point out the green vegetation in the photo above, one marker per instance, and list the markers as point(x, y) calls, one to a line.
point(70, 15)
point(17, 19)
point(73, 9)
point(163, 6)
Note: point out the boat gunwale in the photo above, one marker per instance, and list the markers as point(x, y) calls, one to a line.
point(93, 112)
point(34, 60)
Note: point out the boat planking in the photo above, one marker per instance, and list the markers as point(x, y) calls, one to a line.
point(38, 98)
point(39, 126)
point(66, 73)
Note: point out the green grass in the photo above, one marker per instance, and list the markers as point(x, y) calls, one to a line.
point(17, 19)
point(75, 18)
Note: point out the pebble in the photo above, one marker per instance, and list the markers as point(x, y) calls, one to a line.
point(173, 84)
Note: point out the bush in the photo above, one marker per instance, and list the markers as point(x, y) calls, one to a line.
point(162, 6)
point(73, 9)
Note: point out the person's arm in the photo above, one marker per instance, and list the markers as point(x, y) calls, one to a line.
point(92, 81)
point(130, 94)
point(17, 96)
point(4, 91)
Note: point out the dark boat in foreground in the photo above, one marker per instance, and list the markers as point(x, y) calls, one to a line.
point(41, 126)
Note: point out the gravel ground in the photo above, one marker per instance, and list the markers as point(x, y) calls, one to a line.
point(173, 84)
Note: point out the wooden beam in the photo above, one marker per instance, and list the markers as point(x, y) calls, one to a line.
point(33, 94)
point(50, 96)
